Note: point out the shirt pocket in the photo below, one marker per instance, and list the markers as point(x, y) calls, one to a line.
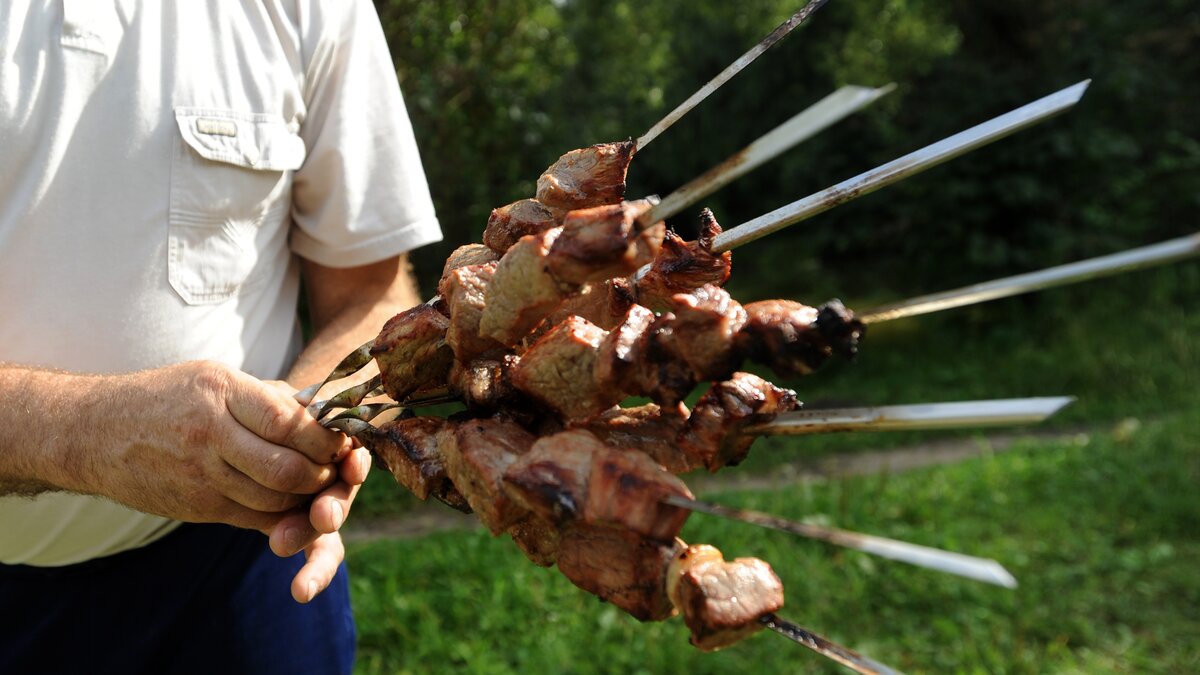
point(230, 174)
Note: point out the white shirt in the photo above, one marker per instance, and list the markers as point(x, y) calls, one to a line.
point(160, 162)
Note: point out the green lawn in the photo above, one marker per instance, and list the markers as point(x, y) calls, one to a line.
point(1101, 531)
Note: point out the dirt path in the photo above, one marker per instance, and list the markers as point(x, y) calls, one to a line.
point(434, 517)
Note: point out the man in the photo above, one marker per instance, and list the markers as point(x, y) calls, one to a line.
point(167, 171)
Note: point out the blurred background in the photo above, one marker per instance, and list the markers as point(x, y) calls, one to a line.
point(1096, 513)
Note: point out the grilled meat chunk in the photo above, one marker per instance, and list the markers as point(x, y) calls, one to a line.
point(682, 266)
point(587, 177)
point(794, 339)
point(649, 428)
point(408, 449)
point(620, 352)
point(557, 371)
point(509, 223)
point(476, 453)
point(484, 384)
point(573, 476)
point(721, 602)
point(603, 242)
point(714, 430)
point(412, 351)
point(602, 304)
point(464, 290)
point(522, 291)
point(538, 540)
point(618, 566)
point(471, 254)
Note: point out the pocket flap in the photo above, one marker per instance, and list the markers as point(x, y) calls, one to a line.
point(251, 140)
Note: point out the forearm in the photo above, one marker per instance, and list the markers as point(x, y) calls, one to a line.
point(50, 428)
point(348, 307)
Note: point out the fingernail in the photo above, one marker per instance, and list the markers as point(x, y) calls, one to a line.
point(338, 515)
point(312, 589)
point(364, 462)
point(291, 540)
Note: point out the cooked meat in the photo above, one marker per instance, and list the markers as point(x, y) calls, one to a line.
point(471, 254)
point(587, 177)
point(721, 602)
point(522, 291)
point(649, 428)
point(794, 339)
point(464, 290)
point(693, 343)
point(573, 476)
point(509, 223)
point(537, 539)
point(682, 266)
point(476, 453)
point(714, 430)
point(602, 304)
point(603, 242)
point(484, 384)
point(412, 351)
point(557, 371)
point(620, 353)
point(618, 566)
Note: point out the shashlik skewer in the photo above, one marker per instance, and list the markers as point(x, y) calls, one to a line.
point(1061, 275)
point(826, 647)
point(804, 125)
point(899, 169)
point(970, 567)
point(732, 69)
point(926, 416)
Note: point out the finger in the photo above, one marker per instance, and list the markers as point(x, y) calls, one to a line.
point(276, 467)
point(244, 490)
point(292, 533)
point(232, 513)
point(330, 509)
point(273, 416)
point(356, 466)
point(323, 558)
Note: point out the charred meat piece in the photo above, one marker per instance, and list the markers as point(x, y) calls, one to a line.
point(557, 371)
point(471, 254)
point(714, 430)
point(692, 343)
point(721, 602)
point(412, 351)
point(794, 339)
point(476, 454)
point(586, 177)
point(649, 428)
point(522, 291)
point(618, 566)
point(682, 266)
point(509, 223)
point(483, 384)
point(573, 476)
point(537, 539)
point(620, 352)
point(464, 290)
point(407, 448)
point(603, 242)
point(602, 304)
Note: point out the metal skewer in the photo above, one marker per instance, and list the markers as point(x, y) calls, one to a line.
point(348, 366)
point(825, 647)
point(956, 415)
point(970, 567)
point(1084, 270)
point(899, 169)
point(731, 70)
point(804, 125)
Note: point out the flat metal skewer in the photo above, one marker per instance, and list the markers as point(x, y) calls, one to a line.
point(970, 567)
point(804, 125)
point(1084, 270)
point(349, 365)
point(955, 415)
point(731, 70)
point(899, 169)
point(825, 647)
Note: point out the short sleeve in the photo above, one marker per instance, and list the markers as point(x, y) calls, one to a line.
point(361, 195)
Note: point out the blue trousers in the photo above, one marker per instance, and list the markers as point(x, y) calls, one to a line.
point(204, 599)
